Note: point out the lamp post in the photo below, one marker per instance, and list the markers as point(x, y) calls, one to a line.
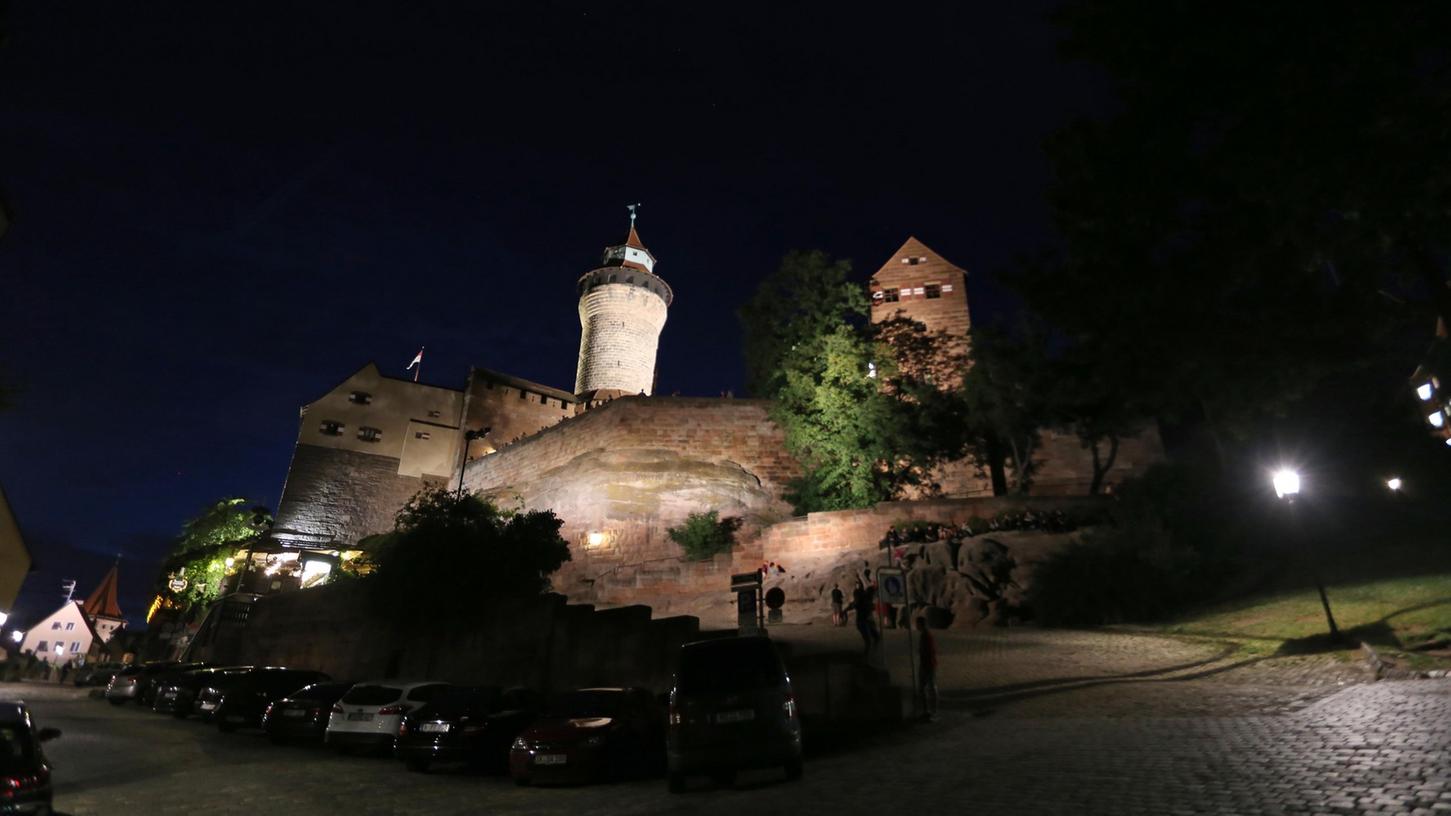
point(1287, 486)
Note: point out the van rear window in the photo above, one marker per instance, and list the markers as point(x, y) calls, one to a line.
point(729, 665)
point(372, 695)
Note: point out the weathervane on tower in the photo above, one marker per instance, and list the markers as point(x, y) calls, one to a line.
point(632, 208)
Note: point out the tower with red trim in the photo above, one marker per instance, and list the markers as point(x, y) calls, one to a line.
point(622, 308)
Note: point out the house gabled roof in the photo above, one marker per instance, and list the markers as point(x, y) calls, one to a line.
point(914, 248)
point(102, 602)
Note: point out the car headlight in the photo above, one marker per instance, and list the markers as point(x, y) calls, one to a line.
point(520, 744)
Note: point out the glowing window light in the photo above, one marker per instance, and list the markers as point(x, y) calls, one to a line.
point(1424, 391)
point(596, 538)
point(315, 572)
point(1437, 419)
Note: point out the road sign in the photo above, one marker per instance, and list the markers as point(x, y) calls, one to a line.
point(892, 586)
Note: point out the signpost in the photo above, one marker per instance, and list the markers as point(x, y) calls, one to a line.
point(892, 590)
point(750, 606)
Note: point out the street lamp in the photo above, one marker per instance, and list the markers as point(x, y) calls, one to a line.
point(17, 635)
point(4, 616)
point(1287, 487)
point(1287, 484)
point(1394, 483)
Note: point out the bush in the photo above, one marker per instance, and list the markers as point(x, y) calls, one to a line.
point(705, 534)
point(1169, 546)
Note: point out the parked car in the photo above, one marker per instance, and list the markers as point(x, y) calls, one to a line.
point(151, 672)
point(473, 724)
point(214, 688)
point(303, 714)
point(590, 735)
point(128, 684)
point(241, 703)
point(24, 770)
point(369, 714)
point(731, 708)
point(176, 692)
point(97, 674)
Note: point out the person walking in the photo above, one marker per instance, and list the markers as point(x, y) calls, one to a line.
point(863, 601)
point(926, 669)
point(838, 618)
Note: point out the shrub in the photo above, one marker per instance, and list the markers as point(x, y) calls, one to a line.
point(705, 534)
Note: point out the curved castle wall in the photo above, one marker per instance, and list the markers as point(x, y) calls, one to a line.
point(620, 330)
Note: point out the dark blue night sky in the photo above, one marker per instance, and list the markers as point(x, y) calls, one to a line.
point(221, 209)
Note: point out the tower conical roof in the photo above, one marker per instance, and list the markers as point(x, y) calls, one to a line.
point(102, 602)
point(634, 239)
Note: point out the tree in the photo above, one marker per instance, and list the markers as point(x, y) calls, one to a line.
point(1232, 230)
point(1005, 398)
point(808, 296)
point(206, 541)
point(451, 556)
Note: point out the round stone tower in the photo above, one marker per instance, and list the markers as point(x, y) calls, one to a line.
point(622, 307)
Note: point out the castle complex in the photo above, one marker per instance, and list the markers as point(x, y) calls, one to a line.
point(618, 465)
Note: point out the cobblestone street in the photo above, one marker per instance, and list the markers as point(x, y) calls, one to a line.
point(1211, 738)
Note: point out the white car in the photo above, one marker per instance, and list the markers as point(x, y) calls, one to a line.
point(368, 716)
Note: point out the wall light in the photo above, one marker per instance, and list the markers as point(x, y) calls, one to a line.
point(1286, 482)
point(1394, 483)
point(4, 616)
point(1437, 419)
point(1424, 391)
point(17, 636)
point(595, 538)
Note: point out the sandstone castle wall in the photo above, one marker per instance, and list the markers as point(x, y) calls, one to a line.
point(336, 495)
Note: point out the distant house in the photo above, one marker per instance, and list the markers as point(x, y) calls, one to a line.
point(68, 634)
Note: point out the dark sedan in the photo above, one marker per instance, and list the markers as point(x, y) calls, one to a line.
point(476, 725)
point(176, 692)
point(97, 674)
point(151, 672)
point(591, 735)
point(242, 702)
point(24, 771)
point(303, 714)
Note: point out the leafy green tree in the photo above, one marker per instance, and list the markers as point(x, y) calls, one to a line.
point(1007, 396)
point(1266, 203)
point(451, 556)
point(206, 541)
point(808, 296)
point(705, 534)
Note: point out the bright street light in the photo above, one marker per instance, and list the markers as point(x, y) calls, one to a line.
point(1394, 483)
point(1287, 483)
point(17, 636)
point(4, 616)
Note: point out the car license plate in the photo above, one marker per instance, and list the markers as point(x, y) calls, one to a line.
point(551, 759)
point(207, 706)
point(743, 715)
point(433, 728)
point(358, 715)
point(293, 712)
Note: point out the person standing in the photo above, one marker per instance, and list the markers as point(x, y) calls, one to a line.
point(865, 603)
point(838, 618)
point(926, 669)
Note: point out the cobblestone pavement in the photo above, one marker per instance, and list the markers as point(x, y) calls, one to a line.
point(1358, 748)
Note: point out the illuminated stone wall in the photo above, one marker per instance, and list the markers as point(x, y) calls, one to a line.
point(620, 332)
point(339, 496)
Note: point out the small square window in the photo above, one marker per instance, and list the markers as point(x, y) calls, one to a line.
point(41, 647)
point(523, 394)
point(933, 291)
point(889, 296)
point(75, 647)
point(69, 626)
point(330, 428)
point(435, 414)
point(543, 400)
point(55, 625)
point(422, 435)
point(369, 434)
point(360, 397)
point(913, 261)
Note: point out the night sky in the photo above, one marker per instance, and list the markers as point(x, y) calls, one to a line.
point(222, 209)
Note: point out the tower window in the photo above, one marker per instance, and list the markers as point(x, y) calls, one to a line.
point(435, 414)
point(889, 296)
point(543, 400)
point(523, 394)
point(933, 290)
point(370, 434)
point(330, 428)
point(360, 397)
point(422, 435)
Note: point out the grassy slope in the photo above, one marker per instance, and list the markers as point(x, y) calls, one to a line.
point(1391, 613)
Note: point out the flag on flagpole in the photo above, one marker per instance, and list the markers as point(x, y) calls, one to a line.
point(417, 365)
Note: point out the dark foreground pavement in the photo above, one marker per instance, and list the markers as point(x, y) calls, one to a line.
point(1367, 748)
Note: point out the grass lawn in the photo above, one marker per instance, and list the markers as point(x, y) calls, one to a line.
point(1393, 614)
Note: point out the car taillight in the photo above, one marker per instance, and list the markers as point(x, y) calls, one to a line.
point(403, 727)
point(790, 706)
point(387, 711)
point(337, 709)
point(10, 786)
